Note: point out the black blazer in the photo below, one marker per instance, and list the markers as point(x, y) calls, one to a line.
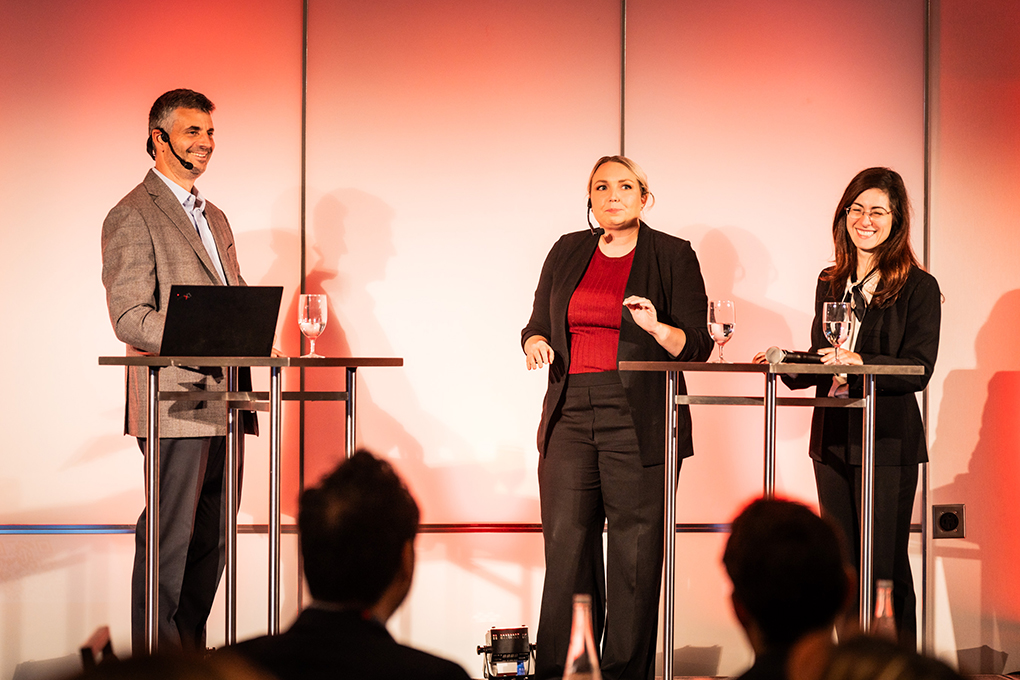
point(905, 332)
point(325, 645)
point(666, 271)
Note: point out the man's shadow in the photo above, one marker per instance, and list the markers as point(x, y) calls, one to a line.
point(989, 395)
point(349, 247)
point(316, 431)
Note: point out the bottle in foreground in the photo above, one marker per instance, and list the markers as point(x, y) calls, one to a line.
point(582, 659)
point(883, 625)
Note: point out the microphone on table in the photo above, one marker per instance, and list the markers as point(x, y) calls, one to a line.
point(597, 231)
point(774, 355)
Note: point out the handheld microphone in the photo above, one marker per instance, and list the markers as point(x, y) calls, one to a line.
point(597, 231)
point(774, 355)
point(188, 165)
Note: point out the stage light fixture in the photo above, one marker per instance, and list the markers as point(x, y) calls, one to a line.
point(507, 653)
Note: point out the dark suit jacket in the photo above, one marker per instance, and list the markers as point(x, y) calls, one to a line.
point(328, 644)
point(905, 332)
point(665, 270)
point(149, 243)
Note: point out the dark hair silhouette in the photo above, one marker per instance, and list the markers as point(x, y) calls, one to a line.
point(353, 530)
point(788, 569)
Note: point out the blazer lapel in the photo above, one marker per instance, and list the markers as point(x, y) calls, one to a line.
point(644, 255)
point(644, 270)
point(219, 230)
point(872, 317)
point(578, 265)
point(165, 200)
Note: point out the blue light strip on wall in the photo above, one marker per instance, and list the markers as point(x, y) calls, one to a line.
point(43, 529)
point(113, 529)
point(108, 529)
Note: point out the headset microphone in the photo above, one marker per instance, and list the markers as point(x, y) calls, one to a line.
point(166, 138)
point(597, 231)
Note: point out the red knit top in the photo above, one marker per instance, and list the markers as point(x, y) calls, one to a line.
point(594, 314)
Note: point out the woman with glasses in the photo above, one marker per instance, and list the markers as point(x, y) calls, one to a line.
point(619, 292)
point(896, 312)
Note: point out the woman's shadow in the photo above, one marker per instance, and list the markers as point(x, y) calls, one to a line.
point(728, 439)
point(989, 395)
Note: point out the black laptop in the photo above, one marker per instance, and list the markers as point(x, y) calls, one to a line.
point(221, 321)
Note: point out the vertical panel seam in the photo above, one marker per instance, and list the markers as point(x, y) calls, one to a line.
point(303, 194)
point(926, 642)
point(623, 77)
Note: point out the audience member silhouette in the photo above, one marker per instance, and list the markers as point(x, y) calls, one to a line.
point(790, 581)
point(174, 664)
point(357, 532)
point(866, 657)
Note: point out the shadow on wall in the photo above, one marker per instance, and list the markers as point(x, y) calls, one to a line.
point(989, 394)
point(350, 243)
point(726, 467)
point(739, 260)
point(57, 586)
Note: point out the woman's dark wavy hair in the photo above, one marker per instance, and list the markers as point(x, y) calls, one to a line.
point(894, 257)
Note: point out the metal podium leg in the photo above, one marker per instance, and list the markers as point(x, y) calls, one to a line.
point(867, 502)
point(669, 561)
point(275, 401)
point(769, 483)
point(351, 386)
point(231, 513)
point(927, 644)
point(152, 513)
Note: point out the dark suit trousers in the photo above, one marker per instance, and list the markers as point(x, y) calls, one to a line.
point(839, 494)
point(592, 473)
point(192, 541)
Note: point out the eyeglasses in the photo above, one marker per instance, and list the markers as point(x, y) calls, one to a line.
point(857, 212)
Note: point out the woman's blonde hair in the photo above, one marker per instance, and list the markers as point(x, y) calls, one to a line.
point(642, 178)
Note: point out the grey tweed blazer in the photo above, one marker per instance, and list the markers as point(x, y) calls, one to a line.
point(149, 244)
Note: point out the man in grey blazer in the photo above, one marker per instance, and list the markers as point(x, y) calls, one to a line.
point(162, 233)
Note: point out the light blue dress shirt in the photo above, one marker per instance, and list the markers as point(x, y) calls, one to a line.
point(194, 205)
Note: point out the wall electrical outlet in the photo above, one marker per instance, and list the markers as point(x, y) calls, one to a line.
point(949, 521)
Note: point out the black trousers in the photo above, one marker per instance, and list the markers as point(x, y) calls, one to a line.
point(192, 542)
point(839, 494)
point(592, 474)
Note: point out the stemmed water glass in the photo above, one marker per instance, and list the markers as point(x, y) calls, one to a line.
point(722, 320)
point(836, 320)
point(312, 320)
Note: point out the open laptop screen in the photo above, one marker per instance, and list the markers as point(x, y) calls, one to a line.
point(221, 321)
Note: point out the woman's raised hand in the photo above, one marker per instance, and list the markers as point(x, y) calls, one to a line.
point(643, 312)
